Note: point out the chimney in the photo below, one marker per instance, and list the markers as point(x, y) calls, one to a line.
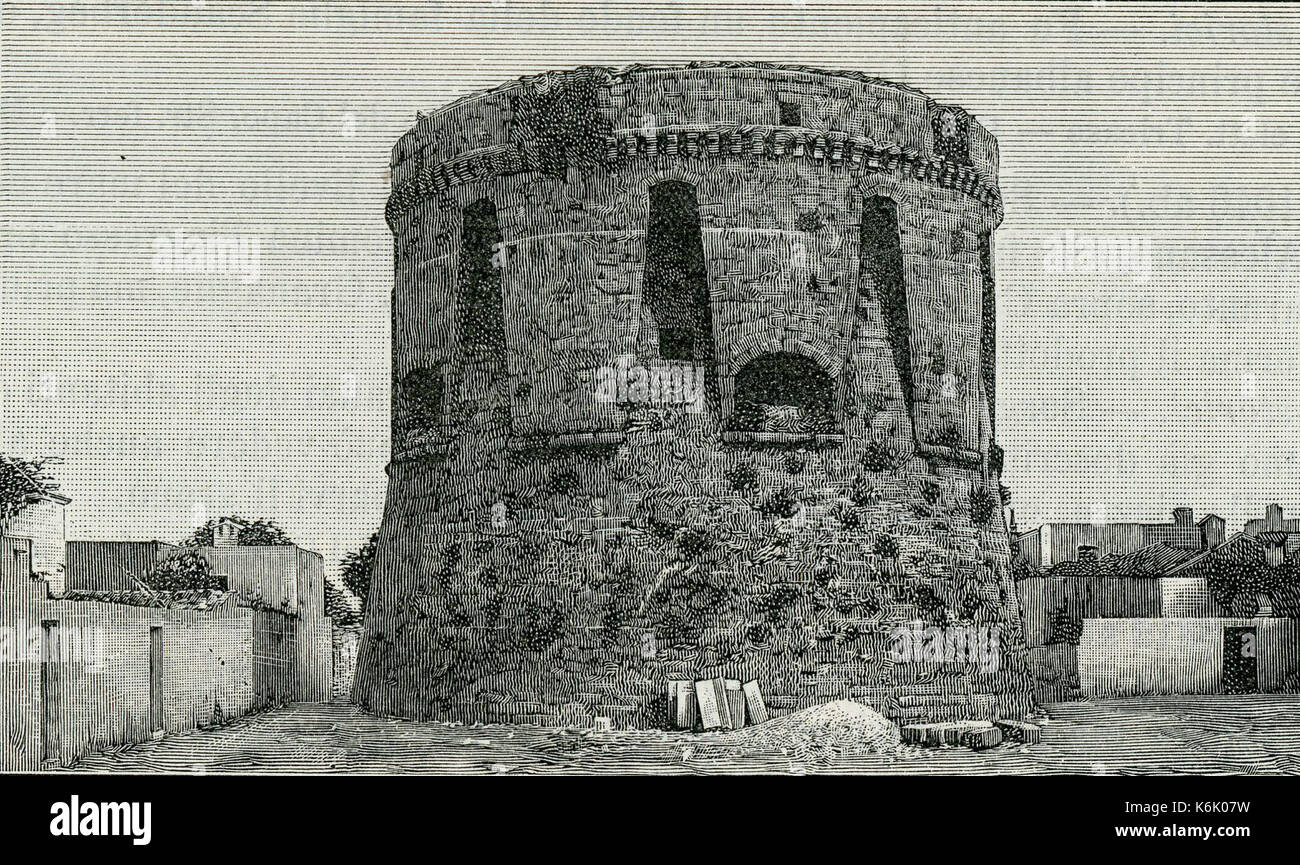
point(1273, 518)
point(226, 534)
point(1213, 531)
point(1183, 517)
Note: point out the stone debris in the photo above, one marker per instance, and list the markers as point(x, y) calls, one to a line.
point(985, 737)
point(831, 729)
point(1020, 731)
point(948, 733)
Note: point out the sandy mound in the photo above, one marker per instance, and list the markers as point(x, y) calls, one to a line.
point(820, 732)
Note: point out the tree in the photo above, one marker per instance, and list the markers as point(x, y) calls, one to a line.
point(185, 572)
point(1283, 588)
point(1066, 627)
point(1236, 571)
point(343, 607)
point(357, 568)
point(255, 533)
point(22, 483)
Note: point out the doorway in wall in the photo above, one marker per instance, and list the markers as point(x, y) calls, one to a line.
point(155, 680)
point(1239, 661)
point(51, 688)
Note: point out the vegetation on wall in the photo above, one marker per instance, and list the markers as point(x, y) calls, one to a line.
point(1066, 627)
point(556, 123)
point(983, 505)
point(23, 483)
point(187, 571)
point(1238, 574)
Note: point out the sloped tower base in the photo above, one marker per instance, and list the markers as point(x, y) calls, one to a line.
point(693, 378)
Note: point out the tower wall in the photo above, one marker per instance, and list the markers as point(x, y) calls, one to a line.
point(559, 541)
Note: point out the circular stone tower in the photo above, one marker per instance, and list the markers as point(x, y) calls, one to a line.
point(693, 377)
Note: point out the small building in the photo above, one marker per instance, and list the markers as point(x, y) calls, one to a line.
point(1272, 521)
point(1148, 622)
point(1141, 657)
point(283, 584)
point(34, 538)
point(87, 669)
point(1052, 543)
point(97, 659)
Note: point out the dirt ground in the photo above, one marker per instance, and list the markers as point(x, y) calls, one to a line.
point(1254, 734)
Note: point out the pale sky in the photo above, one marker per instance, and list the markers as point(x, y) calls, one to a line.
point(1166, 378)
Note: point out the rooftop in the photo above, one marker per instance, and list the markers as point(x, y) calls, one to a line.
point(197, 599)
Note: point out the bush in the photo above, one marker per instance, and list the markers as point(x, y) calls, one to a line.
point(743, 477)
point(997, 456)
point(778, 600)
point(543, 625)
point(692, 543)
point(949, 437)
point(931, 490)
point(357, 568)
point(863, 493)
point(22, 483)
point(983, 506)
point(876, 456)
point(1233, 570)
point(253, 533)
point(928, 603)
point(848, 516)
point(1066, 628)
point(780, 504)
point(794, 463)
point(186, 572)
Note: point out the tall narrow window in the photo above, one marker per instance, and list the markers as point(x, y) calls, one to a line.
point(419, 408)
point(881, 277)
point(480, 316)
point(989, 326)
point(783, 393)
point(676, 280)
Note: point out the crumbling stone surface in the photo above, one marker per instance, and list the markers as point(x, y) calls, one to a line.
point(1020, 731)
point(551, 555)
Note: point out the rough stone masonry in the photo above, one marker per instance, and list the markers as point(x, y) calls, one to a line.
point(817, 247)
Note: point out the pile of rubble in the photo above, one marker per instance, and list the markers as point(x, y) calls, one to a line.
point(831, 729)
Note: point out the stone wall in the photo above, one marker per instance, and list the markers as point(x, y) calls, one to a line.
point(99, 693)
point(550, 555)
point(1141, 657)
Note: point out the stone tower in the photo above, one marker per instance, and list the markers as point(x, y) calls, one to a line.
point(693, 376)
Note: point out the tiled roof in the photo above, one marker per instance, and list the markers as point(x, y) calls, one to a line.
point(1238, 548)
point(197, 599)
point(1153, 560)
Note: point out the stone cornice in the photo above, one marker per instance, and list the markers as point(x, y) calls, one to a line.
point(857, 153)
